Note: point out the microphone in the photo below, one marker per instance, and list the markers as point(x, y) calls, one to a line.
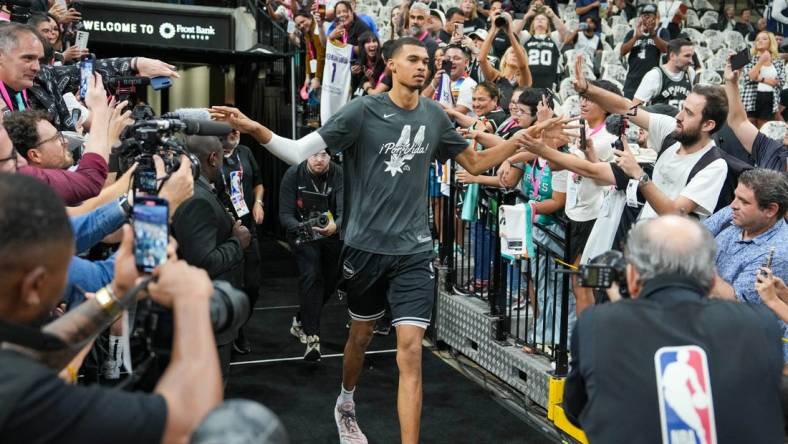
point(188, 114)
point(206, 127)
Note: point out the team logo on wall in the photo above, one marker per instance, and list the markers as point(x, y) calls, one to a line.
point(686, 409)
point(167, 30)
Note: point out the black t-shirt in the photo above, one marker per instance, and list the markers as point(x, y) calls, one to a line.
point(642, 58)
point(243, 163)
point(473, 24)
point(444, 37)
point(46, 410)
point(727, 141)
point(769, 153)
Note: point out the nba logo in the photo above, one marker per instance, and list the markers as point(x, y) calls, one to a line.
point(686, 409)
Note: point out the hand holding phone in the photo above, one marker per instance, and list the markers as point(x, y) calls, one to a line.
point(583, 143)
point(740, 59)
point(150, 215)
point(456, 36)
point(85, 75)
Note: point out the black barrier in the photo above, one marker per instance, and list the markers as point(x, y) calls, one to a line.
point(528, 300)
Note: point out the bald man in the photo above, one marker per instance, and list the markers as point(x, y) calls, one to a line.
point(207, 235)
point(632, 359)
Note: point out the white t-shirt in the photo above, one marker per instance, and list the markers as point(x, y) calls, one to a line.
point(672, 170)
point(608, 219)
point(767, 72)
point(589, 45)
point(465, 95)
point(583, 195)
point(652, 83)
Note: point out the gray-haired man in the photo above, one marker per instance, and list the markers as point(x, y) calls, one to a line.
point(660, 364)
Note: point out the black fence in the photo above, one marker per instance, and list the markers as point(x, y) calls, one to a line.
point(528, 297)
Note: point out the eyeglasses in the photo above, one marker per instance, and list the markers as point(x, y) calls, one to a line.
point(521, 112)
point(321, 155)
point(58, 136)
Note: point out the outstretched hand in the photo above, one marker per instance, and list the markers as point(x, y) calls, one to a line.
point(553, 131)
point(580, 84)
point(234, 118)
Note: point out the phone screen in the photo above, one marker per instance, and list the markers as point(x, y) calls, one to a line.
point(145, 177)
point(458, 30)
point(85, 75)
point(583, 144)
point(150, 216)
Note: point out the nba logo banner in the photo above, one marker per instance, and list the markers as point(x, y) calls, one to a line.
point(686, 409)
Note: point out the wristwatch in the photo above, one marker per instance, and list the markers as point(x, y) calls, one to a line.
point(644, 179)
point(260, 202)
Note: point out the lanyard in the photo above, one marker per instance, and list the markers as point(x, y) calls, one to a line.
point(596, 130)
point(20, 105)
point(240, 171)
point(535, 180)
point(310, 48)
point(508, 126)
point(423, 36)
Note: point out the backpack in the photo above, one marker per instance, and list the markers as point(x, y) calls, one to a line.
point(735, 168)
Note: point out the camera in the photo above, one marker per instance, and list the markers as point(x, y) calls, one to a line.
point(602, 272)
point(19, 9)
point(305, 232)
point(501, 22)
point(446, 65)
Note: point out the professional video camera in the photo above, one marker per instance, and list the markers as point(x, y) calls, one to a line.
point(149, 136)
point(19, 10)
point(305, 231)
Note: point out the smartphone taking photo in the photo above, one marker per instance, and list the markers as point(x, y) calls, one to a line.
point(740, 59)
point(149, 218)
point(85, 75)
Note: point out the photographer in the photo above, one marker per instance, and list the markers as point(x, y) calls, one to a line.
point(317, 259)
point(34, 254)
point(671, 324)
point(240, 185)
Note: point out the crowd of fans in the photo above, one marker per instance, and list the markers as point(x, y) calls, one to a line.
point(707, 141)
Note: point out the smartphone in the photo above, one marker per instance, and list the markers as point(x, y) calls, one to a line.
point(160, 82)
point(149, 218)
point(768, 263)
point(583, 144)
point(446, 65)
point(145, 177)
point(458, 31)
point(81, 40)
point(740, 59)
point(85, 75)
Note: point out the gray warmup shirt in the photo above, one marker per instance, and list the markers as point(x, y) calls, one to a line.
point(387, 156)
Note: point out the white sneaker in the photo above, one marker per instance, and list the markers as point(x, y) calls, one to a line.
point(312, 352)
point(347, 426)
point(297, 330)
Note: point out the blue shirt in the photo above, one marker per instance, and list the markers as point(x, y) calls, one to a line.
point(737, 260)
point(90, 228)
point(88, 276)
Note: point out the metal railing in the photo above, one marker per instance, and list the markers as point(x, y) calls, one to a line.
point(528, 300)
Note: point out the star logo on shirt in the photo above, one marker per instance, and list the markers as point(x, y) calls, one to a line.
point(394, 165)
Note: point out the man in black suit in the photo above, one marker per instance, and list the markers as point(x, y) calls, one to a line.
point(207, 235)
point(671, 361)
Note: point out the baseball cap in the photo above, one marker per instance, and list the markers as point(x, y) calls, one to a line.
point(479, 33)
point(648, 9)
point(438, 13)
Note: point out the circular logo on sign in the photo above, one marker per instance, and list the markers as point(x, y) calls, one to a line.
point(167, 30)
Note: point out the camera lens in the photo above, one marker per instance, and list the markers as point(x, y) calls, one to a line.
point(500, 22)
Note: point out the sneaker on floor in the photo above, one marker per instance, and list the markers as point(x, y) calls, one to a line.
point(347, 426)
point(297, 330)
point(312, 352)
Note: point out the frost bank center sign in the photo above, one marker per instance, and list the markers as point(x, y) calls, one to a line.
point(116, 22)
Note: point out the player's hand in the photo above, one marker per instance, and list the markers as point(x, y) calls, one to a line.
point(234, 118)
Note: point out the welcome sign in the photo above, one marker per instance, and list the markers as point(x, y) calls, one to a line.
point(173, 26)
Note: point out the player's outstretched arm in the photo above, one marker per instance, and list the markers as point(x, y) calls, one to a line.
point(288, 150)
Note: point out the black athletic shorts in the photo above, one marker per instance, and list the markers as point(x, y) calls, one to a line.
point(408, 281)
point(579, 238)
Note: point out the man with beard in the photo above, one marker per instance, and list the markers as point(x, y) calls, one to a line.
point(681, 142)
point(418, 19)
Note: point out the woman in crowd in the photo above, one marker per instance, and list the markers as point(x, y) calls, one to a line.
point(396, 23)
point(514, 70)
point(472, 19)
point(347, 26)
point(763, 80)
point(542, 46)
point(485, 108)
point(369, 70)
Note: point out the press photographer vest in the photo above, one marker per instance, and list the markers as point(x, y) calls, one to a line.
point(673, 92)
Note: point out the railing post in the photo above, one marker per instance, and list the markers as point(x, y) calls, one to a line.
point(562, 352)
point(497, 294)
point(447, 245)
